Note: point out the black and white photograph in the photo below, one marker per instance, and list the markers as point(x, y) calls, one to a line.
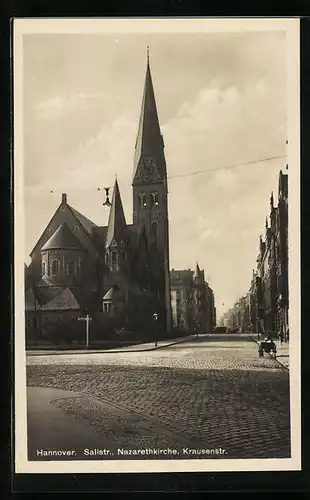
point(156, 235)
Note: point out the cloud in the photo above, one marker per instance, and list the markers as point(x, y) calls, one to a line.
point(61, 106)
point(224, 126)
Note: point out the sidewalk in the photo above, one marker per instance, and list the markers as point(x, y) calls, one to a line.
point(51, 428)
point(147, 346)
point(283, 354)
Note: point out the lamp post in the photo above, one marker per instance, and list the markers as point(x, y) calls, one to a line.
point(155, 319)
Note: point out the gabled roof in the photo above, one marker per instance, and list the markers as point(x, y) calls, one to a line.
point(87, 224)
point(63, 238)
point(117, 223)
point(149, 139)
point(63, 301)
point(111, 293)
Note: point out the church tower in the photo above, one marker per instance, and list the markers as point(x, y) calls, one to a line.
point(150, 191)
point(115, 245)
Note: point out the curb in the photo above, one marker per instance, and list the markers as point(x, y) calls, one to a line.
point(271, 357)
point(85, 351)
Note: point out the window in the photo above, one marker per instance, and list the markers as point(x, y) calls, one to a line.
point(155, 199)
point(123, 255)
point(142, 197)
point(106, 307)
point(71, 268)
point(43, 268)
point(114, 261)
point(55, 267)
point(107, 258)
point(76, 229)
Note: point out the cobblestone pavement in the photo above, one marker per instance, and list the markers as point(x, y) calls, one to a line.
point(211, 393)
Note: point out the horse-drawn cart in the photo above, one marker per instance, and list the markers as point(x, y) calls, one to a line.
point(267, 346)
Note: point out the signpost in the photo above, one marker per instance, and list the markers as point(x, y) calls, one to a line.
point(87, 319)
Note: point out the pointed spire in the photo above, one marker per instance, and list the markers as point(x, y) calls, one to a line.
point(271, 199)
point(266, 223)
point(149, 141)
point(196, 272)
point(117, 221)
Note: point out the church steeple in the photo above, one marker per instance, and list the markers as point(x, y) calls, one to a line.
point(149, 148)
point(117, 221)
point(150, 198)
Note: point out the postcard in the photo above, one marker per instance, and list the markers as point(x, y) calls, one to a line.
point(156, 237)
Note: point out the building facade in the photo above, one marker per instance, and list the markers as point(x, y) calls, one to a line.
point(192, 300)
point(118, 273)
point(269, 291)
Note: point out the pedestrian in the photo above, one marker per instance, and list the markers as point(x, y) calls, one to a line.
point(281, 335)
point(197, 329)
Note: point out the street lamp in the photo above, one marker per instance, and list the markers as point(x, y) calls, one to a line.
point(155, 319)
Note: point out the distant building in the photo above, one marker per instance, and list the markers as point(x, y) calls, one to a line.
point(192, 300)
point(267, 302)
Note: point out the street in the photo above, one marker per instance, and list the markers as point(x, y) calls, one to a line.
point(213, 393)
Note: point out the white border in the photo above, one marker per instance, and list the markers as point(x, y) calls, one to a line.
point(152, 26)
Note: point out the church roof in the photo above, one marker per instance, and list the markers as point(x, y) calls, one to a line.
point(149, 139)
point(62, 238)
point(65, 300)
point(87, 224)
point(117, 222)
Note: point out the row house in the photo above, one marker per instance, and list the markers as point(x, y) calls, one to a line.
point(265, 308)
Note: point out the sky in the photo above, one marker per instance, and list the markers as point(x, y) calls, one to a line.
point(221, 100)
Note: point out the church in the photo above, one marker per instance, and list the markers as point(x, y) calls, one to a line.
point(117, 274)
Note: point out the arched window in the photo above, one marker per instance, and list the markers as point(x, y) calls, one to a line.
point(71, 268)
point(123, 255)
point(107, 258)
point(43, 268)
point(155, 199)
point(154, 231)
point(114, 261)
point(142, 197)
point(55, 267)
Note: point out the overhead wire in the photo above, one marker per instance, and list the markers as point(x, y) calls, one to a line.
point(225, 167)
